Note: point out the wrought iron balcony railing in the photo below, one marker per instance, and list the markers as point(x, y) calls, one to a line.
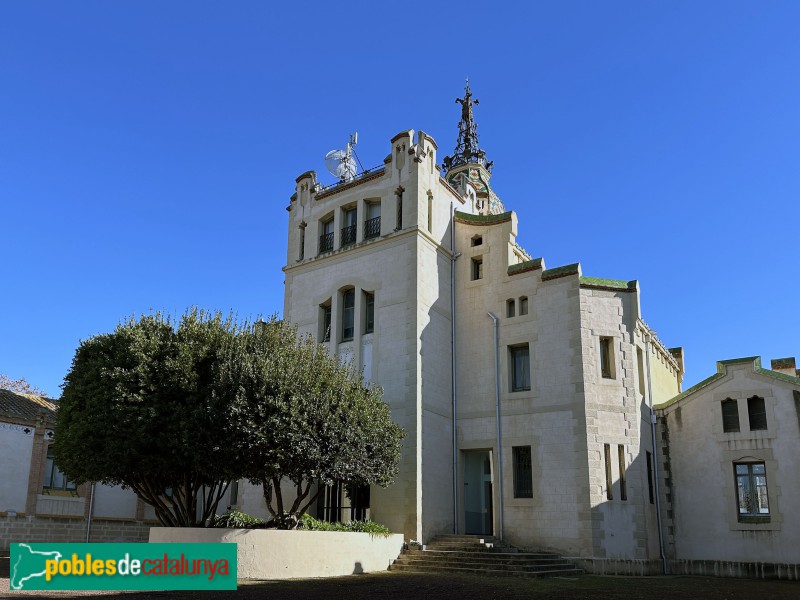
point(326, 242)
point(372, 228)
point(348, 235)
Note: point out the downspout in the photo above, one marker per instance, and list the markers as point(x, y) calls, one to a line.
point(665, 564)
point(91, 510)
point(497, 418)
point(453, 258)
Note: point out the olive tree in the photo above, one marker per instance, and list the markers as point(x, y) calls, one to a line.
point(143, 407)
point(304, 417)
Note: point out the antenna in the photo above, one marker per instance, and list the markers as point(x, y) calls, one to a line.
point(340, 163)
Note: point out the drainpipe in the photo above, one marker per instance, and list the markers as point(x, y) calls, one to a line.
point(497, 416)
point(91, 509)
point(453, 258)
point(665, 564)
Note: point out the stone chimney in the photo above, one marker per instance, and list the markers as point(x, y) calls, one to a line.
point(787, 366)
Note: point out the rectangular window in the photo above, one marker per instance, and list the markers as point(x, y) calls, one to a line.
point(730, 416)
point(372, 225)
point(477, 269)
point(53, 477)
point(607, 456)
point(399, 211)
point(650, 477)
point(234, 499)
point(325, 330)
point(640, 366)
point(430, 213)
point(751, 490)
point(523, 472)
point(520, 368)
point(623, 487)
point(606, 358)
point(523, 306)
point(349, 228)
point(509, 308)
point(369, 312)
point(756, 413)
point(302, 241)
point(348, 314)
point(326, 237)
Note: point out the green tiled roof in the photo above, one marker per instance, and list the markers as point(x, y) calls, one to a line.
point(561, 271)
point(614, 284)
point(721, 372)
point(25, 407)
point(463, 217)
point(528, 265)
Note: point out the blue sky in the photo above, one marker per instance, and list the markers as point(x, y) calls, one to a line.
point(148, 151)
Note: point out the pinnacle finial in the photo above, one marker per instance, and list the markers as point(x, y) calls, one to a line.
point(467, 149)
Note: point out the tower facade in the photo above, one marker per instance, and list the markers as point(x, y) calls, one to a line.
point(524, 392)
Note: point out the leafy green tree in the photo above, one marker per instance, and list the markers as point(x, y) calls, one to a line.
point(304, 417)
point(142, 407)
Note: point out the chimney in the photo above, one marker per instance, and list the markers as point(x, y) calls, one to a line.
point(787, 366)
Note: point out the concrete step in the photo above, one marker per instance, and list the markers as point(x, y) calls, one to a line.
point(550, 566)
point(491, 572)
point(487, 558)
point(489, 552)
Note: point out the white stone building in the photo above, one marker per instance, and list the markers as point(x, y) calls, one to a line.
point(418, 279)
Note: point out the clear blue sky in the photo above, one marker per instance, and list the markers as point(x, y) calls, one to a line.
point(148, 151)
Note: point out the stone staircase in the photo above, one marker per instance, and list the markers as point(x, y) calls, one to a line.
point(481, 555)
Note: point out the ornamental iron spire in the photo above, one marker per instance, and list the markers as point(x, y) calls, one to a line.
point(467, 150)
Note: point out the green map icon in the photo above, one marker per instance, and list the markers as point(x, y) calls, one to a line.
point(27, 564)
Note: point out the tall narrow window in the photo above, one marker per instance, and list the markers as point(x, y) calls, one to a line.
point(609, 483)
point(430, 212)
point(234, 497)
point(326, 237)
point(372, 225)
point(325, 323)
point(730, 416)
point(510, 308)
point(640, 366)
point(623, 485)
point(523, 306)
point(751, 490)
point(523, 472)
point(302, 253)
point(399, 194)
point(349, 229)
point(477, 268)
point(756, 413)
point(650, 477)
point(348, 314)
point(53, 477)
point(369, 312)
point(520, 368)
point(606, 358)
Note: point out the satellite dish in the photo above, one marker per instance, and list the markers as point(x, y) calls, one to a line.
point(342, 163)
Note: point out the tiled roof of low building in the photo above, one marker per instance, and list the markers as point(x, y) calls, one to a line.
point(26, 407)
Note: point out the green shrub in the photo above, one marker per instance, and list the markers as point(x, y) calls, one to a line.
point(309, 523)
point(236, 519)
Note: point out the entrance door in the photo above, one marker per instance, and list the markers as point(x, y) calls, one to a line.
point(478, 516)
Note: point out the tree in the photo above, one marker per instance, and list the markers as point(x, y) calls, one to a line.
point(303, 416)
point(142, 407)
point(20, 386)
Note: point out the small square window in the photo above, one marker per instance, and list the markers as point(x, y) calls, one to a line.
point(756, 413)
point(520, 368)
point(477, 269)
point(523, 306)
point(477, 240)
point(523, 472)
point(730, 416)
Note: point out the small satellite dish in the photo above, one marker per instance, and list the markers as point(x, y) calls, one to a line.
point(342, 163)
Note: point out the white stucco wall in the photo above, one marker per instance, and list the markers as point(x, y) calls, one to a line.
point(16, 446)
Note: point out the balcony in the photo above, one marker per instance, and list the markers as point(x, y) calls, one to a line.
point(326, 242)
point(348, 235)
point(372, 228)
